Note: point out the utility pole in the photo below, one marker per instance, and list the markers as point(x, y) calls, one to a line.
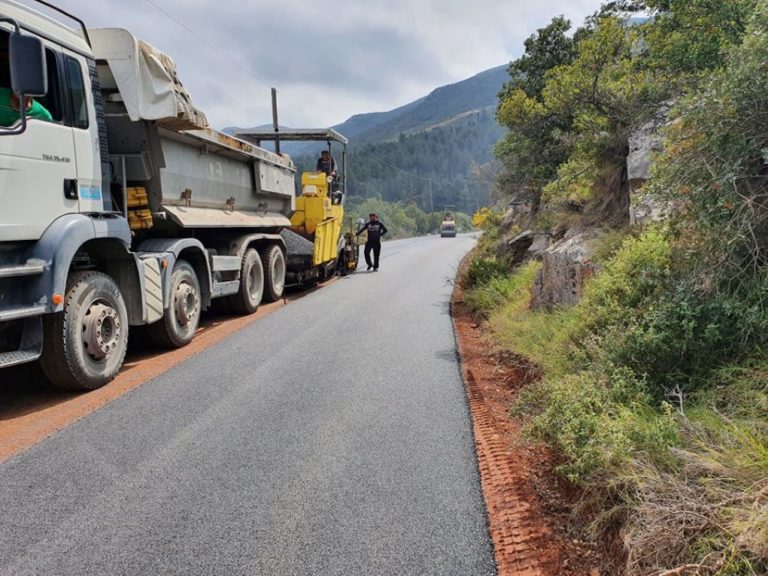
point(431, 203)
point(275, 123)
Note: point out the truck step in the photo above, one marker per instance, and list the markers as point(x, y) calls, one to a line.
point(18, 357)
point(226, 263)
point(31, 268)
point(21, 312)
point(225, 288)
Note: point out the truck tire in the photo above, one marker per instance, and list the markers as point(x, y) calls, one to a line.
point(179, 323)
point(248, 298)
point(273, 259)
point(84, 346)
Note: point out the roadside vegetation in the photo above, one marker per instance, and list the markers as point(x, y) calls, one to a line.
point(654, 391)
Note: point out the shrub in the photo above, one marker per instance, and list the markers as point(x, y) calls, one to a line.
point(502, 289)
point(597, 422)
point(631, 282)
point(481, 271)
point(686, 335)
point(713, 511)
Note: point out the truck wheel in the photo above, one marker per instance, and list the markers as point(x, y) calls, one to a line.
point(273, 259)
point(84, 346)
point(247, 300)
point(181, 318)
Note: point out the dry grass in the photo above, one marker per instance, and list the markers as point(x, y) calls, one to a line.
point(710, 517)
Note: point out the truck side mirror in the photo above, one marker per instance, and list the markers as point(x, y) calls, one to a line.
point(29, 76)
point(28, 71)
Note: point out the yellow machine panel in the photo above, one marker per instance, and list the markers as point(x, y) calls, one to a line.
point(317, 216)
point(327, 237)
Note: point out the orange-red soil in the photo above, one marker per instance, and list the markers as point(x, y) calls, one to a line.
point(529, 514)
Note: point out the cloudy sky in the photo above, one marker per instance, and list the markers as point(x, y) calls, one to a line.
point(330, 59)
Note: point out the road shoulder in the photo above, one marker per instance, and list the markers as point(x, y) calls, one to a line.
point(530, 517)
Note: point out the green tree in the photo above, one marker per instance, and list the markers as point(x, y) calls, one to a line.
point(534, 146)
point(688, 36)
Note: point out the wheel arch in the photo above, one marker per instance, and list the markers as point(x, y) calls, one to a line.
point(199, 262)
point(64, 239)
point(114, 259)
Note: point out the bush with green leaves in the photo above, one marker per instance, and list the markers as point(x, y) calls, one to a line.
point(654, 390)
point(481, 271)
point(494, 287)
point(714, 167)
point(598, 422)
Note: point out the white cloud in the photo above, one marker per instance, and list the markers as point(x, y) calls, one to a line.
point(329, 60)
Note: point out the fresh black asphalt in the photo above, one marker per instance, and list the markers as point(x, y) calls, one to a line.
point(330, 437)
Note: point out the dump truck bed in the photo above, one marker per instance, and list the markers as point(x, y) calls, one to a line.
point(158, 139)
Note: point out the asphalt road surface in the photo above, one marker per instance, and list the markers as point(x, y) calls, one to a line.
point(330, 437)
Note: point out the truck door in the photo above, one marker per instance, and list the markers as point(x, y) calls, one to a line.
point(85, 132)
point(37, 168)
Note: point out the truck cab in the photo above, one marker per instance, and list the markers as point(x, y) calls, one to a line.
point(51, 177)
point(51, 169)
point(120, 205)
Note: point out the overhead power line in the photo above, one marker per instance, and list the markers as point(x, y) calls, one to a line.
point(207, 44)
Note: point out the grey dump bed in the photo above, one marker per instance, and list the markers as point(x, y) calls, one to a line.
point(194, 175)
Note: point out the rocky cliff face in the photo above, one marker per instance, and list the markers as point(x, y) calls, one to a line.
point(645, 142)
point(567, 260)
point(565, 267)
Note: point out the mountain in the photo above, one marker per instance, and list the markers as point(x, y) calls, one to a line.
point(426, 152)
point(423, 152)
point(360, 124)
point(440, 106)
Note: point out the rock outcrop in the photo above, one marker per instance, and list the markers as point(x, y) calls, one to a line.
point(518, 215)
point(645, 142)
point(566, 265)
point(522, 247)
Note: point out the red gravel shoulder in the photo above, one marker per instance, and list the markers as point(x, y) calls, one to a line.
point(529, 513)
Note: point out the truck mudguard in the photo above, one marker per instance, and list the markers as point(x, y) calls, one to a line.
point(59, 244)
point(189, 249)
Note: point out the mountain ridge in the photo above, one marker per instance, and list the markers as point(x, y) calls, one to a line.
point(442, 104)
point(471, 94)
point(426, 152)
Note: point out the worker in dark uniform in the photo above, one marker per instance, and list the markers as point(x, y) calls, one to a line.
point(376, 230)
point(326, 164)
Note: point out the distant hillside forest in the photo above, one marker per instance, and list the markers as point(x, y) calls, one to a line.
point(452, 160)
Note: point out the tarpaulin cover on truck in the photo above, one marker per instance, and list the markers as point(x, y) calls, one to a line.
point(146, 79)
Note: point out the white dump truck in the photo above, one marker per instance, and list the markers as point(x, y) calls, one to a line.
point(123, 208)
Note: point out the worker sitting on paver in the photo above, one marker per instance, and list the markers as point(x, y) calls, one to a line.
point(326, 164)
